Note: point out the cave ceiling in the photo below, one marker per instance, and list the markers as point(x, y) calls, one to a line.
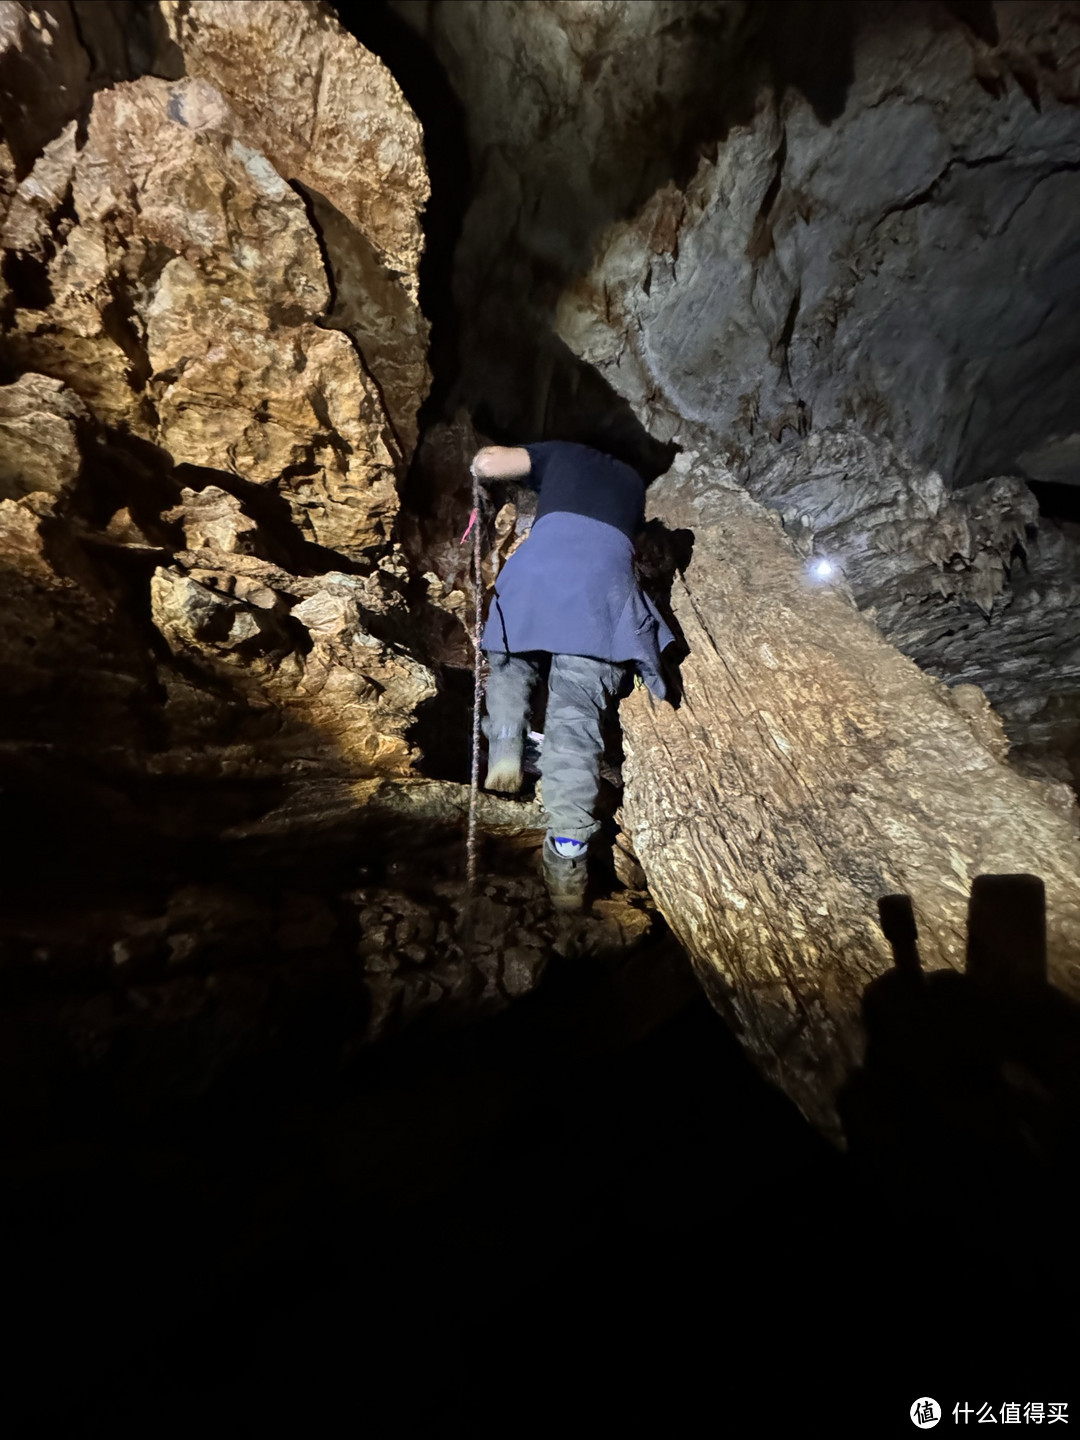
point(777, 216)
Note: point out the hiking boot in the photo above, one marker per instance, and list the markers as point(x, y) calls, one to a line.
point(504, 764)
point(565, 876)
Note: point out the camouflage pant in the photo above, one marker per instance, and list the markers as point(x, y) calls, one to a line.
point(579, 693)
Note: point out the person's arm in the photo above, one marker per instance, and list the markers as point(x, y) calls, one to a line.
point(502, 462)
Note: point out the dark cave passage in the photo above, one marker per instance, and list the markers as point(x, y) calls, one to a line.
point(1058, 500)
point(500, 1225)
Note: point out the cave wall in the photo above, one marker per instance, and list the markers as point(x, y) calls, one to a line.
point(812, 774)
point(835, 213)
point(680, 224)
point(216, 356)
point(217, 638)
point(907, 264)
point(856, 304)
point(975, 585)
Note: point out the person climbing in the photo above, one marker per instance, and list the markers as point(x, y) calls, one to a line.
point(568, 593)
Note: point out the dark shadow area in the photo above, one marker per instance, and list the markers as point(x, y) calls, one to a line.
point(425, 86)
point(967, 1109)
point(573, 1207)
point(443, 727)
point(978, 16)
point(1057, 500)
point(809, 46)
point(580, 406)
point(659, 555)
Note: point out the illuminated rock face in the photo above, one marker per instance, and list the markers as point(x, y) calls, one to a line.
point(215, 388)
point(809, 772)
point(331, 118)
point(185, 308)
point(906, 265)
point(973, 584)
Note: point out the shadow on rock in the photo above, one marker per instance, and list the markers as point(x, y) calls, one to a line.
point(967, 1102)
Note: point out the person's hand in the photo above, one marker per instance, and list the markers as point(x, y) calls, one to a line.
point(501, 462)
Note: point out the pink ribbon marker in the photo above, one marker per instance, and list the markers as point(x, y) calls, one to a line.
point(468, 528)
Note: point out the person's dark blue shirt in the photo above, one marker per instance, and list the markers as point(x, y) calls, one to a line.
point(583, 481)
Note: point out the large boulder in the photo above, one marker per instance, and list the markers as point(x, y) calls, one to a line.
point(334, 122)
point(184, 308)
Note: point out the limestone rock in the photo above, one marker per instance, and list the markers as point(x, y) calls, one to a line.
point(223, 281)
point(810, 771)
point(361, 692)
point(125, 530)
point(257, 386)
point(39, 448)
point(213, 518)
point(379, 312)
point(297, 649)
point(972, 584)
point(24, 546)
point(237, 445)
point(333, 117)
point(792, 284)
point(32, 205)
point(333, 120)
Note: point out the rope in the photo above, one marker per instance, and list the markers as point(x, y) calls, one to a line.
point(478, 592)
